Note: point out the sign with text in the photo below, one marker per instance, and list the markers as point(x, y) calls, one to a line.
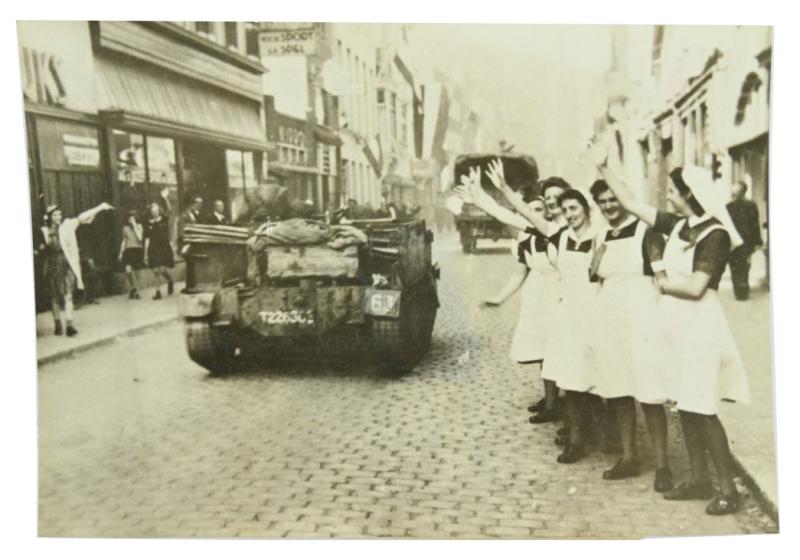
point(287, 42)
point(57, 64)
point(41, 77)
point(82, 151)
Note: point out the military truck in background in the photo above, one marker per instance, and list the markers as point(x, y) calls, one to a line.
point(473, 223)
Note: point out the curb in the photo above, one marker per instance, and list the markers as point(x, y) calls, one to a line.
point(106, 341)
point(766, 503)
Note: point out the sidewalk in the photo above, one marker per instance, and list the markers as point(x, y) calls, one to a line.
point(750, 428)
point(104, 322)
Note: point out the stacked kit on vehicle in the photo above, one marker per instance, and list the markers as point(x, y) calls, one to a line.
point(299, 289)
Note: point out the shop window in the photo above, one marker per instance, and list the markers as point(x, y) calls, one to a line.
point(161, 161)
point(249, 169)
point(235, 166)
point(162, 174)
point(129, 151)
point(241, 167)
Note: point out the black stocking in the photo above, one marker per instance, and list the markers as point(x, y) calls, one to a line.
point(624, 411)
point(656, 418)
point(573, 415)
point(694, 438)
point(717, 443)
point(550, 394)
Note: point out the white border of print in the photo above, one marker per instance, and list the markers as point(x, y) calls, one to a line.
point(18, 406)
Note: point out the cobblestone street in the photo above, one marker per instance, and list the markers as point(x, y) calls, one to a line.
point(135, 440)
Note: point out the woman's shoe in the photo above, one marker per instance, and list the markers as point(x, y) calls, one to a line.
point(690, 491)
point(59, 329)
point(663, 480)
point(623, 469)
point(537, 406)
point(572, 454)
point(723, 505)
point(544, 416)
point(158, 295)
point(71, 331)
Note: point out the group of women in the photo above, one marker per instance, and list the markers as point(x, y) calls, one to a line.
point(143, 245)
point(625, 309)
point(147, 245)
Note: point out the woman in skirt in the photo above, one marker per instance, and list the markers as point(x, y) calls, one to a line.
point(131, 253)
point(546, 410)
point(567, 363)
point(157, 250)
point(627, 251)
point(62, 263)
point(538, 281)
point(704, 362)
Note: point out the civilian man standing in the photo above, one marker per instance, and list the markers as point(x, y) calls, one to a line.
point(744, 214)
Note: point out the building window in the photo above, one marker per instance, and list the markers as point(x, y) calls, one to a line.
point(231, 34)
point(203, 27)
point(381, 95)
point(658, 43)
point(750, 87)
point(251, 39)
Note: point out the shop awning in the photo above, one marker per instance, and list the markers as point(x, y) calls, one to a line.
point(160, 103)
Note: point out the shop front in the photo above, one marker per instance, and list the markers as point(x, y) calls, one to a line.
point(66, 158)
point(182, 127)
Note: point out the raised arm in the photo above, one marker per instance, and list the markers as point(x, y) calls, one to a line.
point(598, 150)
point(512, 285)
point(497, 177)
point(88, 216)
point(470, 191)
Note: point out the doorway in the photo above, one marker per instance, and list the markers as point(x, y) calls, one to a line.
point(204, 173)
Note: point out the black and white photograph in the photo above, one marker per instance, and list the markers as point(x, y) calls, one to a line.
point(350, 280)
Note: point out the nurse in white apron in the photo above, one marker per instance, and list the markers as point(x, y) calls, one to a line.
point(567, 362)
point(537, 280)
point(540, 292)
point(704, 363)
point(546, 409)
point(624, 334)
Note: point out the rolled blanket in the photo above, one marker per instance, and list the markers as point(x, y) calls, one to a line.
point(346, 236)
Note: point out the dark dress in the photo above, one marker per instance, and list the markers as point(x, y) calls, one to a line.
point(59, 278)
point(159, 252)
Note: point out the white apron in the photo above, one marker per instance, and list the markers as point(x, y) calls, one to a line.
point(538, 298)
point(623, 339)
point(567, 360)
point(703, 365)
